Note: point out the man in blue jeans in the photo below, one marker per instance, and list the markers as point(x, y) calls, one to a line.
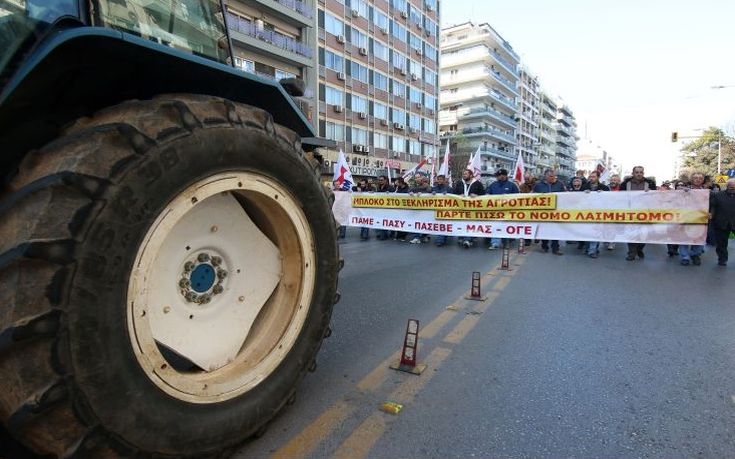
point(501, 186)
point(550, 184)
point(692, 253)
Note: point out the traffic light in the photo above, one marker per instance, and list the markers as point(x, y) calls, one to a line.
point(674, 136)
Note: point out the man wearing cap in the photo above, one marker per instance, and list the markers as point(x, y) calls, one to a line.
point(501, 186)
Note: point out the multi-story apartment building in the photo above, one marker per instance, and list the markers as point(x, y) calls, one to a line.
point(566, 141)
point(479, 94)
point(377, 82)
point(370, 68)
point(527, 134)
point(546, 133)
point(276, 39)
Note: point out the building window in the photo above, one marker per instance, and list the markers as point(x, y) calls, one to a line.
point(415, 15)
point(359, 104)
point(430, 52)
point(399, 89)
point(414, 68)
point(429, 150)
point(334, 62)
point(430, 101)
point(359, 72)
point(380, 111)
point(399, 60)
point(245, 64)
point(359, 136)
point(399, 144)
point(358, 38)
point(430, 4)
point(361, 7)
point(399, 31)
point(415, 95)
point(381, 51)
point(281, 74)
point(398, 115)
point(414, 147)
point(414, 121)
point(415, 42)
point(380, 20)
point(430, 77)
point(380, 140)
point(335, 132)
point(334, 96)
point(399, 5)
point(429, 126)
point(333, 25)
point(380, 81)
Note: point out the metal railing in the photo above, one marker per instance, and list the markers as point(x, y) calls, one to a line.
point(498, 114)
point(491, 130)
point(299, 7)
point(269, 36)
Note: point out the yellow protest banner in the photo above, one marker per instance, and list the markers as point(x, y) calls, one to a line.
point(441, 202)
point(721, 180)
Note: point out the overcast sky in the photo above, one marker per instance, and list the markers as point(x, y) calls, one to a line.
point(632, 71)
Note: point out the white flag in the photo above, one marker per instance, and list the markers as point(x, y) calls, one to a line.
point(342, 173)
point(444, 169)
point(475, 164)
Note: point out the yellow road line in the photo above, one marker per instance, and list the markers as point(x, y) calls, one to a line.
point(303, 443)
point(437, 324)
point(364, 437)
point(375, 378)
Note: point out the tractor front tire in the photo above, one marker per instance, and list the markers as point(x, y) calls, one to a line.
point(134, 250)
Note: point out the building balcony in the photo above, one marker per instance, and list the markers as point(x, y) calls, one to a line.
point(272, 41)
point(449, 98)
point(295, 12)
point(489, 131)
point(484, 112)
point(498, 153)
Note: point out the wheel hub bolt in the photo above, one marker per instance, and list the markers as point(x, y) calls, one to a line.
point(191, 296)
point(184, 283)
point(218, 289)
point(189, 266)
point(203, 257)
point(216, 261)
point(221, 273)
point(204, 299)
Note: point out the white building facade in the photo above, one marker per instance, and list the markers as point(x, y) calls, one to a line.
point(479, 98)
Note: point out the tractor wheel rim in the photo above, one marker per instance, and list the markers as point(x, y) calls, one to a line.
point(220, 287)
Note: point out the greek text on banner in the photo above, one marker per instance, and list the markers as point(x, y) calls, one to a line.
point(672, 217)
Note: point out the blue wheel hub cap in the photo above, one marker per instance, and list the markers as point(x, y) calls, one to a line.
point(202, 278)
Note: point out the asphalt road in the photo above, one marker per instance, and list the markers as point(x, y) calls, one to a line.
point(568, 357)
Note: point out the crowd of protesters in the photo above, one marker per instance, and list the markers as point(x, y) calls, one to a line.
point(721, 212)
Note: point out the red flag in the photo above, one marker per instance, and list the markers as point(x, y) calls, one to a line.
point(519, 168)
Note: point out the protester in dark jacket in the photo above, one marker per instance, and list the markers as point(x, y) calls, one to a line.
point(501, 186)
point(722, 212)
point(550, 184)
point(468, 186)
point(594, 184)
point(441, 187)
point(638, 182)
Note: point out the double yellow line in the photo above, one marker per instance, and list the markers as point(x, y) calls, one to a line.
point(362, 439)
